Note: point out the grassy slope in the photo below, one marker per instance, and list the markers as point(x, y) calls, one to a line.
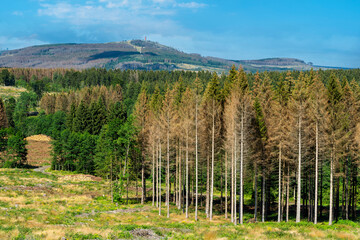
point(49, 206)
point(34, 205)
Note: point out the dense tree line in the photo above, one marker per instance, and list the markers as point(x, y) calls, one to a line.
point(13, 152)
point(290, 135)
point(279, 137)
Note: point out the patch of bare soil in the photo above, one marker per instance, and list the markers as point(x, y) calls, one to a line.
point(144, 234)
point(80, 178)
point(37, 188)
point(39, 150)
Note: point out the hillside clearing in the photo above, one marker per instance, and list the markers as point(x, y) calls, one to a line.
point(34, 205)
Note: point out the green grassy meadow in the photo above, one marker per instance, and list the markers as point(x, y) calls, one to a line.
point(56, 205)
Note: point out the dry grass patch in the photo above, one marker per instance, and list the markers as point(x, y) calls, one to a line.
point(19, 200)
point(317, 234)
point(39, 150)
point(79, 178)
point(256, 232)
point(10, 91)
point(52, 233)
point(345, 235)
point(39, 138)
point(210, 235)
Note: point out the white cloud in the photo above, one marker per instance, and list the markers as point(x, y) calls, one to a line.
point(7, 42)
point(18, 13)
point(191, 5)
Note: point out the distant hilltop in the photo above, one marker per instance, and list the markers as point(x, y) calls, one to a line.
point(135, 54)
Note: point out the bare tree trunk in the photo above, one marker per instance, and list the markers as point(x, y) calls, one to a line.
point(287, 193)
point(321, 188)
point(232, 184)
point(279, 197)
point(176, 177)
point(235, 175)
point(282, 198)
point(180, 180)
point(168, 170)
point(298, 206)
point(153, 177)
point(347, 190)
point(157, 174)
point(226, 183)
point(316, 170)
point(187, 173)
point(160, 179)
point(241, 169)
point(331, 187)
point(256, 194)
point(212, 160)
point(143, 183)
point(208, 187)
point(263, 198)
point(196, 161)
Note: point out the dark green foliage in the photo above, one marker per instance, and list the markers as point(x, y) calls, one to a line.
point(85, 158)
point(3, 139)
point(51, 124)
point(260, 121)
point(16, 150)
point(71, 117)
point(82, 120)
point(117, 111)
point(98, 116)
point(38, 86)
point(24, 105)
point(74, 151)
point(3, 118)
point(7, 78)
point(10, 105)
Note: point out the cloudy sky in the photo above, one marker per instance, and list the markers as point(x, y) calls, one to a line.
point(323, 32)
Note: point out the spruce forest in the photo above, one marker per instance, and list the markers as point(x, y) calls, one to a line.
point(249, 147)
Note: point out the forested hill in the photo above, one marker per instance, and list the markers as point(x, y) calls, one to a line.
point(135, 54)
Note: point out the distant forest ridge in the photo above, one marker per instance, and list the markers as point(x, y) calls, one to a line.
point(136, 55)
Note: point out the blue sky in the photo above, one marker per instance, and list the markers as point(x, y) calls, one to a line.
point(323, 32)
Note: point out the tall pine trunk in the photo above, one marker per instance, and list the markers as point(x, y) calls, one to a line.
point(256, 194)
point(160, 179)
point(298, 198)
point(153, 176)
point(235, 176)
point(196, 161)
point(316, 170)
point(180, 180)
point(168, 170)
point(232, 183)
point(212, 159)
point(287, 193)
point(331, 187)
point(187, 173)
point(241, 169)
point(207, 187)
point(263, 197)
point(157, 174)
point(226, 185)
point(279, 197)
